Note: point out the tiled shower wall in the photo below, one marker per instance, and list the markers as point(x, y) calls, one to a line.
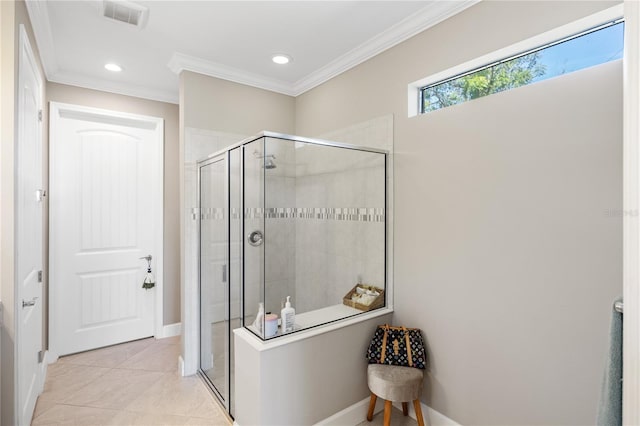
point(199, 143)
point(324, 215)
point(269, 268)
point(336, 251)
point(280, 250)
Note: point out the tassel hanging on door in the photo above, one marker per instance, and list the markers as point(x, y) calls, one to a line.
point(149, 280)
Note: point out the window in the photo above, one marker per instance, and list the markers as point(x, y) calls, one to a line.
point(592, 47)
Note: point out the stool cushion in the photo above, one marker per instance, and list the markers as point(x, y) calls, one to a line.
point(395, 383)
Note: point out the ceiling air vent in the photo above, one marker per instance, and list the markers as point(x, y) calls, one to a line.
point(125, 11)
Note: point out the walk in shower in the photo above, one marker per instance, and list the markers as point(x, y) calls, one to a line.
point(284, 216)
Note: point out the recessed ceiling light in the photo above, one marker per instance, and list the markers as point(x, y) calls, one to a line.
point(113, 67)
point(281, 59)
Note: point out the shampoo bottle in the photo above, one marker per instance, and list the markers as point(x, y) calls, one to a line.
point(287, 316)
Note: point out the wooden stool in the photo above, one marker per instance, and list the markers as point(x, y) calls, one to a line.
point(393, 383)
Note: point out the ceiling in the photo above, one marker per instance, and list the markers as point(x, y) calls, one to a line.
point(233, 40)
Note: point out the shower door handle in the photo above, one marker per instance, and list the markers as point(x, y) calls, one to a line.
point(255, 238)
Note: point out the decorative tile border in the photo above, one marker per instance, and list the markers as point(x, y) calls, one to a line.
point(361, 214)
point(212, 214)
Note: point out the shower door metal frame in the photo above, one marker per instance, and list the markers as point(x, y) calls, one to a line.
point(225, 155)
point(223, 397)
point(293, 138)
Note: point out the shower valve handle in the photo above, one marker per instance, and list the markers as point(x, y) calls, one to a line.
point(255, 238)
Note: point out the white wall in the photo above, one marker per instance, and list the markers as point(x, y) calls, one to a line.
point(506, 253)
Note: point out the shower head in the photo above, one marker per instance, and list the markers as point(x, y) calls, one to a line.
point(268, 163)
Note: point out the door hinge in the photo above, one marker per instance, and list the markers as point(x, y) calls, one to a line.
point(224, 273)
point(40, 357)
point(40, 194)
point(39, 276)
point(39, 115)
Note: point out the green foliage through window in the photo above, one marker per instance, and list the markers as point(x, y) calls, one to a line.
point(590, 48)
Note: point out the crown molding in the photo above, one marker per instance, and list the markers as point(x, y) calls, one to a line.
point(436, 12)
point(180, 62)
point(39, 17)
point(425, 18)
point(80, 80)
point(41, 24)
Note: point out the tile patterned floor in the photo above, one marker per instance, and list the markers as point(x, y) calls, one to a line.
point(135, 383)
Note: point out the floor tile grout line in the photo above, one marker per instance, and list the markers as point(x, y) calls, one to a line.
point(90, 382)
point(43, 411)
point(96, 407)
point(70, 367)
point(119, 410)
point(71, 405)
point(102, 366)
point(94, 364)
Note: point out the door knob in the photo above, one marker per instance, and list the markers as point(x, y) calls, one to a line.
point(149, 280)
point(31, 302)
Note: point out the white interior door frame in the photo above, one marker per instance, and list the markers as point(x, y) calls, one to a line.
point(156, 169)
point(631, 225)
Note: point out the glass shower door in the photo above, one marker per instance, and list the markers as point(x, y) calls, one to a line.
point(214, 277)
point(253, 231)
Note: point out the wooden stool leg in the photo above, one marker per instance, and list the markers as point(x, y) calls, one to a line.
point(387, 413)
point(372, 406)
point(405, 408)
point(418, 408)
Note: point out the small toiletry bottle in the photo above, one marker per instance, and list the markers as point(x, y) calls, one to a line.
point(287, 316)
point(259, 317)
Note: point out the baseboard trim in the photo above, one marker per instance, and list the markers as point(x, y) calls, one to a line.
point(50, 357)
point(432, 417)
point(181, 366)
point(351, 415)
point(171, 330)
point(46, 358)
point(357, 413)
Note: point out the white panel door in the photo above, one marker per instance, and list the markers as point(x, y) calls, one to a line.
point(106, 213)
point(29, 249)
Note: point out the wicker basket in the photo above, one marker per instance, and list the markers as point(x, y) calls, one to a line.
point(377, 303)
